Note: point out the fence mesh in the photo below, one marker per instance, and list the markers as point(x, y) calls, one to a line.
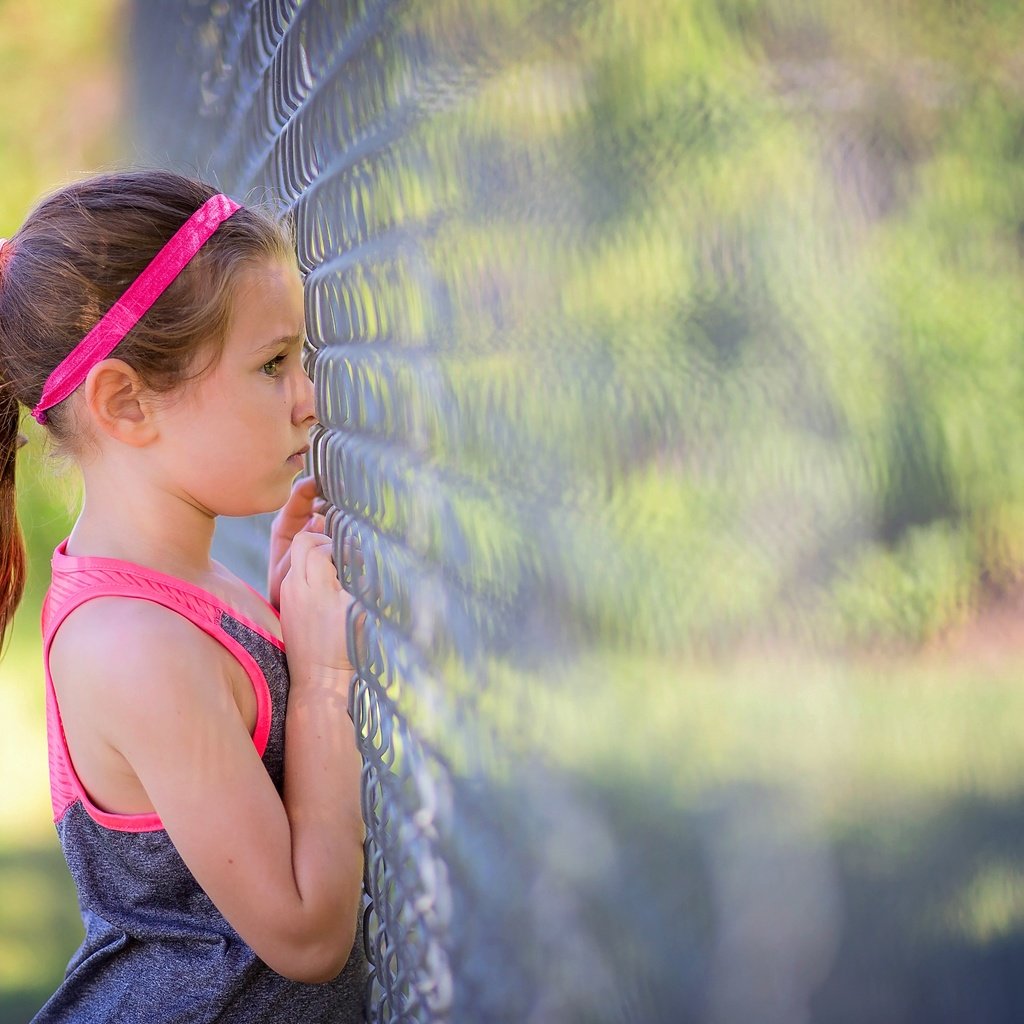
point(666, 353)
point(438, 159)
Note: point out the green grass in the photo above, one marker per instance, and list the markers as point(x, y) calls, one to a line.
point(39, 923)
point(851, 732)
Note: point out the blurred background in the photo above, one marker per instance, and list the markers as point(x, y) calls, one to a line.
point(670, 362)
point(61, 108)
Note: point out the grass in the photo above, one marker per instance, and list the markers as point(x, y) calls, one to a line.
point(850, 732)
point(60, 118)
point(39, 923)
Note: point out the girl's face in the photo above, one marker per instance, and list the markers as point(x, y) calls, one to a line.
point(230, 438)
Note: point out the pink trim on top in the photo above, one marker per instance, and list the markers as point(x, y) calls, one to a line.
point(74, 563)
point(130, 308)
point(195, 603)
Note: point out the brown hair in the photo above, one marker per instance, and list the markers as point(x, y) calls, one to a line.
point(76, 253)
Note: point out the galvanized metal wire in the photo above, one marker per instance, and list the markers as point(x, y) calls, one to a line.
point(353, 116)
point(521, 325)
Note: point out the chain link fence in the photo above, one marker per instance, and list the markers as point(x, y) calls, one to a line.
point(624, 373)
point(438, 161)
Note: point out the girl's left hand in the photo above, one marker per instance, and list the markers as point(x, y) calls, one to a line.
point(290, 520)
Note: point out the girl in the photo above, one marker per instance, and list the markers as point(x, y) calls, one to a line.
point(155, 328)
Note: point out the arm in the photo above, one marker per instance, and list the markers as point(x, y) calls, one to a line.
point(322, 764)
point(286, 874)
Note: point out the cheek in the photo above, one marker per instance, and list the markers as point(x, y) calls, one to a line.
point(243, 413)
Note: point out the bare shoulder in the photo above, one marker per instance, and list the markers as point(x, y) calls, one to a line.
point(130, 674)
point(115, 642)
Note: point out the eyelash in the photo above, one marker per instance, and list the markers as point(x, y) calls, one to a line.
point(275, 362)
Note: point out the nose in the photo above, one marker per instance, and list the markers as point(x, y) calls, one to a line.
point(303, 413)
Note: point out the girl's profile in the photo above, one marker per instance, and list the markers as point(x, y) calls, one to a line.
point(203, 767)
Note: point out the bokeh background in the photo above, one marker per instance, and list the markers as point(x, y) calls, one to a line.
point(61, 108)
point(709, 317)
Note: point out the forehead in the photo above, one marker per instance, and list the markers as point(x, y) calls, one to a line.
point(266, 304)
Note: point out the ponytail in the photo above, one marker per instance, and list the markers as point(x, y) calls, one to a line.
point(12, 544)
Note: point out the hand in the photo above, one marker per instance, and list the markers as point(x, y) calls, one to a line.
point(293, 517)
point(314, 605)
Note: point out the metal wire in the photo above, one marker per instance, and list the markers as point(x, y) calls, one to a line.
point(665, 354)
point(478, 397)
point(324, 105)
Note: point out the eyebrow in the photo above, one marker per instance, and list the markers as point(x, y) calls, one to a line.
point(285, 339)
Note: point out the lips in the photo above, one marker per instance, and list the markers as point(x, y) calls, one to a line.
point(301, 451)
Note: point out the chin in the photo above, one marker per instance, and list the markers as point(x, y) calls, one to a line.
point(269, 499)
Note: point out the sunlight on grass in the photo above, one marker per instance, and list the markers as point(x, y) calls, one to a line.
point(848, 735)
point(60, 118)
point(26, 895)
point(990, 907)
point(25, 810)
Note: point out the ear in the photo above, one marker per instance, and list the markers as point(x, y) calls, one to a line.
point(119, 404)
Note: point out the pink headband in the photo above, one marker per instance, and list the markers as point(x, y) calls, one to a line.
point(126, 312)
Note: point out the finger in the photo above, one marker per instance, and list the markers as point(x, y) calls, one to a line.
point(307, 539)
point(281, 565)
point(320, 567)
point(357, 637)
point(303, 545)
point(299, 504)
point(316, 524)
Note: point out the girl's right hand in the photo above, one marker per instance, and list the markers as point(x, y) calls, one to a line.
point(314, 605)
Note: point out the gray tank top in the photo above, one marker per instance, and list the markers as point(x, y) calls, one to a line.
point(156, 949)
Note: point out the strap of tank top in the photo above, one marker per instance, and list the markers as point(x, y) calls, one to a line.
point(87, 580)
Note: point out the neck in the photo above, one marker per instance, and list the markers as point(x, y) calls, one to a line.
point(160, 529)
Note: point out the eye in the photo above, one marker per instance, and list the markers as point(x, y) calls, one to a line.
point(274, 364)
